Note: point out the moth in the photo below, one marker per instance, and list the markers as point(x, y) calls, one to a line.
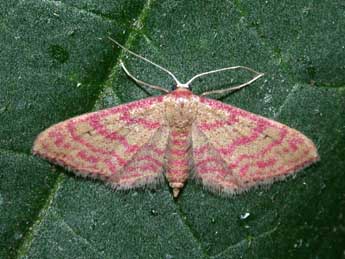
point(177, 136)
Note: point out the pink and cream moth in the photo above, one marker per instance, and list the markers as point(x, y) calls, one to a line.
point(175, 137)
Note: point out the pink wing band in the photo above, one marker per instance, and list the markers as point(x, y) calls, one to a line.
point(65, 145)
point(262, 124)
point(253, 147)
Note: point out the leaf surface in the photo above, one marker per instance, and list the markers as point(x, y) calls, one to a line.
point(56, 62)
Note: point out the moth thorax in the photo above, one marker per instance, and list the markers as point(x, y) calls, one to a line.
point(180, 112)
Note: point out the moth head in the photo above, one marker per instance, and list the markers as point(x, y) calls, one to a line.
point(181, 86)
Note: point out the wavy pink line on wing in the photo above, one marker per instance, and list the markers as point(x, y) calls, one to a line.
point(235, 164)
point(67, 146)
point(260, 153)
point(200, 150)
point(57, 136)
point(233, 111)
point(285, 169)
point(71, 162)
point(65, 160)
point(210, 159)
point(141, 121)
point(71, 130)
point(206, 170)
point(244, 169)
point(110, 165)
point(206, 126)
point(150, 159)
point(141, 104)
point(266, 163)
point(256, 132)
point(155, 149)
point(96, 124)
point(86, 157)
point(238, 112)
point(260, 164)
point(294, 142)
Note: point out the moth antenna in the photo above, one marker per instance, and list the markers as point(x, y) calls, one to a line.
point(142, 82)
point(221, 91)
point(147, 60)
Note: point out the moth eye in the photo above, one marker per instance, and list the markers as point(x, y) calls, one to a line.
point(174, 87)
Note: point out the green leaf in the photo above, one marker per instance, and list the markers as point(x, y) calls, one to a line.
point(56, 62)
